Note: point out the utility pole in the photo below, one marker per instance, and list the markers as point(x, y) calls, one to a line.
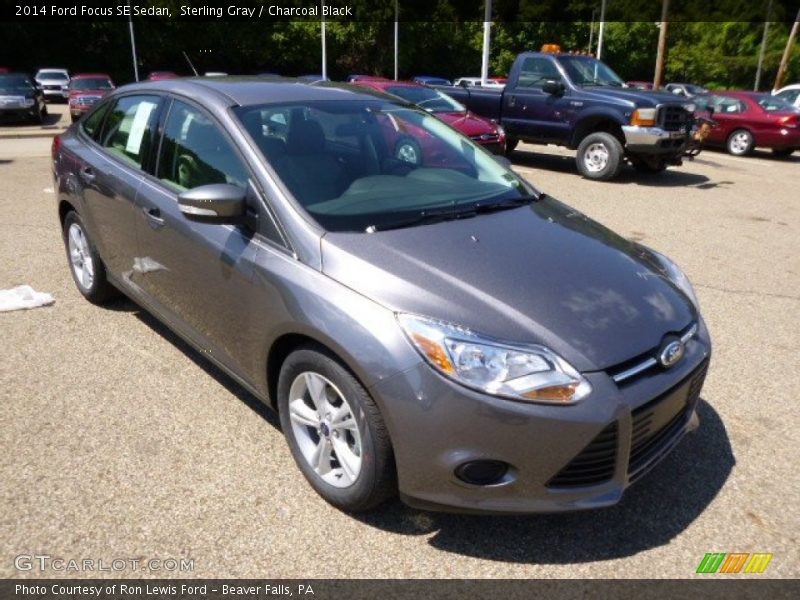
point(396, 42)
point(591, 30)
point(487, 36)
point(658, 78)
point(133, 44)
point(602, 30)
point(324, 49)
point(787, 52)
point(763, 48)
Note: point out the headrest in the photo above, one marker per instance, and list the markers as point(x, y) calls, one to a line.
point(305, 137)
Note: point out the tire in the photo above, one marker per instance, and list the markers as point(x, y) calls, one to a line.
point(86, 266)
point(409, 151)
point(649, 165)
point(782, 153)
point(365, 441)
point(511, 145)
point(740, 143)
point(599, 156)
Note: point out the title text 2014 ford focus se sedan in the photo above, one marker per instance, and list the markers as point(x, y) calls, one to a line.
point(439, 329)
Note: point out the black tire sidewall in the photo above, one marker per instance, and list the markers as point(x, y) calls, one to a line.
point(511, 145)
point(100, 288)
point(365, 492)
point(615, 155)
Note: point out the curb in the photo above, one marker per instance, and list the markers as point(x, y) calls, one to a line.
point(13, 135)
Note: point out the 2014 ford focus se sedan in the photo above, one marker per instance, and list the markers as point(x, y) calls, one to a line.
point(441, 329)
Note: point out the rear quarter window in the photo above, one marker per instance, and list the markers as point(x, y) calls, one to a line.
point(129, 127)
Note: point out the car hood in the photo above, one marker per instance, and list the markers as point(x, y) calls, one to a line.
point(543, 273)
point(467, 122)
point(644, 98)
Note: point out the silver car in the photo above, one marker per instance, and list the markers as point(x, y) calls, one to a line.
point(439, 329)
point(54, 83)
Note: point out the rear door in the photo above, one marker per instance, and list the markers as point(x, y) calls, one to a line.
point(531, 113)
point(109, 171)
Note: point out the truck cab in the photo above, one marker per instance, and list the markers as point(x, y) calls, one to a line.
point(577, 101)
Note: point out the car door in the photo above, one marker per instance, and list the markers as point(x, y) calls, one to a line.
point(532, 113)
point(109, 168)
point(728, 115)
point(199, 276)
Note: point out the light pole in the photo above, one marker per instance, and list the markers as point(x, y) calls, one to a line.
point(487, 37)
point(396, 39)
point(763, 48)
point(602, 30)
point(662, 46)
point(324, 49)
point(133, 43)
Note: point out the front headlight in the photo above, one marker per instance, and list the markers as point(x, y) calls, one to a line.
point(677, 276)
point(530, 373)
point(644, 117)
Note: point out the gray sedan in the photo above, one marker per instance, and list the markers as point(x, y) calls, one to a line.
point(438, 328)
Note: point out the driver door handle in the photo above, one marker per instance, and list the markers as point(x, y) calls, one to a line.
point(154, 217)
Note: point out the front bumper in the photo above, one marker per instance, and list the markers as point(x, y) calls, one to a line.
point(56, 94)
point(437, 425)
point(18, 113)
point(654, 140)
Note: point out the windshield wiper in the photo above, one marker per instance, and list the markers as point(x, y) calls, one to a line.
point(424, 217)
point(484, 207)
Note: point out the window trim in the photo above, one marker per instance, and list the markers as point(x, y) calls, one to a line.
point(284, 245)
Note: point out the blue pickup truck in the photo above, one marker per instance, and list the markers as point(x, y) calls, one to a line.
point(577, 101)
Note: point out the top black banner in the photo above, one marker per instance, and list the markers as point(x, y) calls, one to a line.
point(502, 11)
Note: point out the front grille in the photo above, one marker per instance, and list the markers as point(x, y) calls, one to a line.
point(52, 87)
point(595, 464)
point(658, 424)
point(673, 117)
point(485, 138)
point(87, 100)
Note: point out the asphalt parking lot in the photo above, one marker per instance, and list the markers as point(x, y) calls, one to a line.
point(120, 441)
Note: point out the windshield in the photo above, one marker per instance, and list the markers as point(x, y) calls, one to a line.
point(586, 70)
point(775, 104)
point(15, 84)
point(59, 75)
point(370, 164)
point(430, 100)
point(95, 83)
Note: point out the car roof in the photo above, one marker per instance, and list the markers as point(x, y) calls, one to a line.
point(58, 69)
point(252, 90)
point(791, 86)
point(91, 76)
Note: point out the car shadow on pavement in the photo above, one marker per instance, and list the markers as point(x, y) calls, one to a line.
point(652, 512)
point(672, 177)
point(127, 305)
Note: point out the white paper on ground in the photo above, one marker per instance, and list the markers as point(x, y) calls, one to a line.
point(21, 297)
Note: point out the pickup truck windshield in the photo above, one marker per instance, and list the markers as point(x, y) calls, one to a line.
point(586, 70)
point(95, 83)
point(427, 98)
point(359, 165)
point(57, 75)
point(15, 84)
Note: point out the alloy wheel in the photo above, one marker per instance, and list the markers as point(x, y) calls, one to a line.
point(595, 157)
point(740, 142)
point(325, 428)
point(80, 256)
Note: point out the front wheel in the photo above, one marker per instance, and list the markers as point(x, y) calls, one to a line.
point(600, 156)
point(335, 431)
point(511, 145)
point(85, 264)
point(740, 143)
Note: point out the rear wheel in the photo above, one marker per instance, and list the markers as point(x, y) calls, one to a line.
point(511, 145)
point(782, 153)
point(335, 431)
point(740, 142)
point(599, 156)
point(85, 264)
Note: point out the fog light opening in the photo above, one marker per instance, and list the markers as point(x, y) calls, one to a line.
point(482, 472)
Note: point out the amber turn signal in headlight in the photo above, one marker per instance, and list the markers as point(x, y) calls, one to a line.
point(644, 117)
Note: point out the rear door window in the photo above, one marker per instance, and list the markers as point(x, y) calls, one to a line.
point(129, 128)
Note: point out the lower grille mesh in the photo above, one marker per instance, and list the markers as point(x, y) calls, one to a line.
point(595, 464)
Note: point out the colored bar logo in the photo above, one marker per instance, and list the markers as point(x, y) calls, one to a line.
point(733, 562)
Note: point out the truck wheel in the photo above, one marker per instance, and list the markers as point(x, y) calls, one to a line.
point(599, 156)
point(511, 145)
point(648, 165)
point(740, 142)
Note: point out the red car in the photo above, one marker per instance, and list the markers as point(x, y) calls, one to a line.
point(483, 131)
point(3, 70)
point(639, 85)
point(745, 120)
point(85, 90)
point(159, 75)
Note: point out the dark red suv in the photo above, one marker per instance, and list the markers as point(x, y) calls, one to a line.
point(85, 90)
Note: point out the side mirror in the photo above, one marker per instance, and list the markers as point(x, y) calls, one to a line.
point(217, 203)
point(556, 88)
